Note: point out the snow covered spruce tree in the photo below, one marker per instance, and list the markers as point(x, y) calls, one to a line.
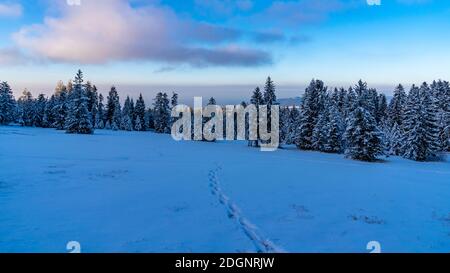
point(117, 117)
point(338, 97)
point(441, 93)
point(333, 133)
point(312, 105)
point(421, 139)
point(445, 136)
point(60, 108)
point(397, 105)
point(270, 99)
point(92, 95)
point(39, 108)
point(293, 124)
point(78, 119)
point(139, 111)
point(319, 135)
point(49, 118)
point(381, 109)
point(112, 102)
point(7, 104)
point(161, 113)
point(362, 138)
point(257, 99)
point(149, 119)
point(350, 103)
point(392, 139)
point(127, 115)
point(100, 116)
point(366, 98)
point(284, 124)
point(26, 108)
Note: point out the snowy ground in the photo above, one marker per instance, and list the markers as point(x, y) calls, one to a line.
point(143, 192)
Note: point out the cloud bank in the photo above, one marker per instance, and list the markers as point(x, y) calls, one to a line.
point(103, 31)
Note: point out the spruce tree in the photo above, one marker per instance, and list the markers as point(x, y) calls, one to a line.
point(270, 99)
point(100, 116)
point(92, 94)
point(312, 105)
point(350, 103)
point(397, 105)
point(392, 139)
point(366, 98)
point(293, 123)
point(78, 120)
point(360, 88)
point(382, 108)
point(441, 94)
point(149, 119)
point(445, 135)
point(341, 100)
point(333, 133)
point(60, 108)
point(421, 139)
point(25, 105)
point(39, 111)
point(284, 125)
point(49, 118)
point(117, 117)
point(257, 99)
point(269, 92)
point(132, 112)
point(212, 101)
point(140, 113)
point(161, 113)
point(319, 136)
point(7, 104)
point(112, 101)
point(362, 138)
point(127, 115)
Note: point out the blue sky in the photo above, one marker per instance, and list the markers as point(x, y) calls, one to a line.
point(223, 47)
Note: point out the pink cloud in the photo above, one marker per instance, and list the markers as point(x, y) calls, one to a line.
point(103, 31)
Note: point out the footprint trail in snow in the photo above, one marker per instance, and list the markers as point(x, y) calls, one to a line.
point(262, 244)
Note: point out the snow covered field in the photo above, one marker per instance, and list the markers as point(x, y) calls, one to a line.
point(144, 192)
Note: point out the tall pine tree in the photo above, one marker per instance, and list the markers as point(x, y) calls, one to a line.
point(362, 138)
point(161, 113)
point(78, 120)
point(257, 99)
point(7, 104)
point(312, 105)
point(112, 102)
point(139, 110)
point(421, 139)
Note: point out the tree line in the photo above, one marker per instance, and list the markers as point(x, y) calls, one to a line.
point(77, 107)
point(357, 121)
point(361, 123)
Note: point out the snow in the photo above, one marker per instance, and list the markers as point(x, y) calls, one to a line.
point(143, 192)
